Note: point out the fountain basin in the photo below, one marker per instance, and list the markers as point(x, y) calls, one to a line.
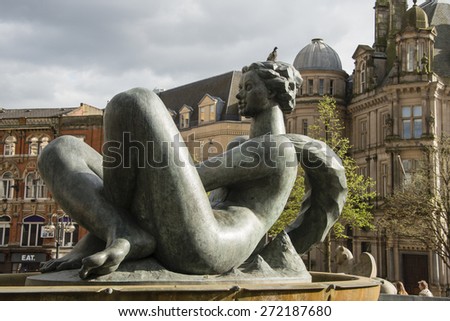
point(324, 287)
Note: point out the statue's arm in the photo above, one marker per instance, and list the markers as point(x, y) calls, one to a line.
point(250, 160)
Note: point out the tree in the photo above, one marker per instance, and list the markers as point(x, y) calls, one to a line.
point(357, 209)
point(357, 213)
point(421, 208)
point(292, 207)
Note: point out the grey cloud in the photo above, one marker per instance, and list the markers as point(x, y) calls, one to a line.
point(91, 47)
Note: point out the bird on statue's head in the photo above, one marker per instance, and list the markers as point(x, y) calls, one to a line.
point(273, 55)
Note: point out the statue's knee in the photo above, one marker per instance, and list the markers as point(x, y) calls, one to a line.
point(57, 147)
point(130, 100)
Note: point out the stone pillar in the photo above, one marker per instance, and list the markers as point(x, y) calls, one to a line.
point(396, 115)
point(396, 260)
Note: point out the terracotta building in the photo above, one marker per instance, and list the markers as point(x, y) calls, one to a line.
point(30, 220)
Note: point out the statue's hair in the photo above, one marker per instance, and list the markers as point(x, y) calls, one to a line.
point(280, 77)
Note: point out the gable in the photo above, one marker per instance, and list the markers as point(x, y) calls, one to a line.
point(208, 100)
point(185, 109)
point(361, 50)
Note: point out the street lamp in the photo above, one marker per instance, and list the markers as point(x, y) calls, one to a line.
point(62, 225)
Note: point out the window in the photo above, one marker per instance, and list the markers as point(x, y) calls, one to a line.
point(366, 247)
point(207, 114)
point(310, 86)
point(384, 180)
point(202, 114)
point(321, 87)
point(408, 168)
point(44, 143)
point(184, 120)
point(35, 187)
point(7, 186)
point(363, 133)
point(212, 113)
point(362, 80)
point(4, 230)
point(31, 231)
point(289, 126)
point(363, 171)
point(410, 58)
point(10, 146)
point(305, 127)
point(349, 233)
point(331, 90)
point(33, 147)
point(412, 122)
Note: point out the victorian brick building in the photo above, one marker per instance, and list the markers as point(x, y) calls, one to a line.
point(32, 226)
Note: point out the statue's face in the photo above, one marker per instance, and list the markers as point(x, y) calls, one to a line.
point(253, 96)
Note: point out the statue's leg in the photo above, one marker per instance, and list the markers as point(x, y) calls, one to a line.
point(149, 170)
point(73, 173)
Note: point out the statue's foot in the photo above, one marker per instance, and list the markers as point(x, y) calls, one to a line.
point(106, 261)
point(73, 260)
point(65, 263)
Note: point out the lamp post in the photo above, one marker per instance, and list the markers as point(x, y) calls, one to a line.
point(64, 224)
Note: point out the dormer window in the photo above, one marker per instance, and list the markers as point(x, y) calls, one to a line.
point(184, 120)
point(185, 116)
point(209, 108)
point(207, 114)
point(362, 78)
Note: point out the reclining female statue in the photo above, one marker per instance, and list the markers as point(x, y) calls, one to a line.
point(134, 208)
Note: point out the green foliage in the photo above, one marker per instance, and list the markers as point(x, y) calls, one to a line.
point(329, 128)
point(357, 209)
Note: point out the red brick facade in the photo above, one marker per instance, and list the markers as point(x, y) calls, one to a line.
point(26, 205)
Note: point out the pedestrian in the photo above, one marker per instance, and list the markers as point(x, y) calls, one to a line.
point(424, 291)
point(400, 288)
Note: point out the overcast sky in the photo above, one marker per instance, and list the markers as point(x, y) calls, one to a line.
point(59, 53)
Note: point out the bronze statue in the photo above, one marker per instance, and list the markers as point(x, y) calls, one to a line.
point(157, 206)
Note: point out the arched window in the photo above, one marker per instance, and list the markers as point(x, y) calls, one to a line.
point(31, 231)
point(35, 187)
point(43, 144)
point(4, 230)
point(10, 146)
point(33, 147)
point(7, 186)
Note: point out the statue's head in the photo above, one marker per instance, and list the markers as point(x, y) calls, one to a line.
point(280, 78)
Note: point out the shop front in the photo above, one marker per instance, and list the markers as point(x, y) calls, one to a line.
point(21, 262)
